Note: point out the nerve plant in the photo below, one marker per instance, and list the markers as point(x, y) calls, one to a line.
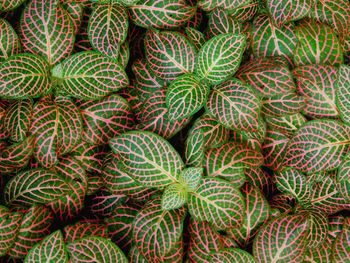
point(174, 131)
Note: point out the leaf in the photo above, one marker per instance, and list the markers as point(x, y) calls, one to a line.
point(318, 145)
point(245, 10)
point(20, 73)
point(57, 128)
point(256, 215)
point(288, 124)
point(156, 232)
point(47, 30)
point(105, 118)
point(95, 249)
point(17, 119)
point(320, 254)
point(124, 54)
point(209, 5)
point(343, 93)
point(146, 80)
point(195, 36)
point(218, 202)
point(35, 226)
point(169, 54)
point(291, 181)
point(148, 158)
point(192, 177)
point(74, 11)
point(35, 186)
point(185, 96)
point(317, 84)
point(231, 255)
point(8, 5)
point(219, 58)
point(221, 23)
point(107, 29)
point(234, 105)
point(89, 75)
point(260, 178)
point(269, 77)
point(269, 40)
point(281, 240)
point(161, 13)
point(84, 229)
point(50, 249)
point(284, 12)
point(283, 104)
point(229, 161)
point(317, 44)
point(343, 179)
point(90, 156)
point(194, 149)
point(174, 196)
point(9, 227)
point(10, 43)
point(340, 250)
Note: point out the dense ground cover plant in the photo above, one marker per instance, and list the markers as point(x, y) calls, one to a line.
point(175, 131)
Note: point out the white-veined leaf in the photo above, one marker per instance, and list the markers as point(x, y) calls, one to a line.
point(192, 177)
point(9, 227)
point(8, 5)
point(231, 255)
point(194, 149)
point(9, 41)
point(343, 92)
point(341, 246)
point(174, 196)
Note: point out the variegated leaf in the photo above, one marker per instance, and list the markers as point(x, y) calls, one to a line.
point(221, 23)
point(343, 92)
point(244, 10)
point(336, 224)
point(107, 29)
point(260, 178)
point(281, 240)
point(174, 196)
point(317, 84)
point(229, 161)
point(192, 177)
point(148, 158)
point(185, 96)
point(8, 5)
point(124, 54)
point(50, 249)
point(95, 249)
point(89, 75)
point(317, 44)
point(47, 30)
point(74, 11)
point(156, 232)
point(24, 76)
point(283, 104)
point(269, 77)
point(195, 36)
point(288, 124)
point(17, 119)
point(256, 214)
point(9, 41)
point(105, 118)
point(34, 227)
point(343, 178)
point(231, 255)
point(57, 128)
point(219, 58)
point(234, 105)
point(194, 149)
point(341, 246)
point(287, 11)
point(169, 54)
point(161, 13)
point(84, 229)
point(9, 227)
point(90, 156)
point(269, 40)
point(217, 202)
point(318, 145)
point(320, 254)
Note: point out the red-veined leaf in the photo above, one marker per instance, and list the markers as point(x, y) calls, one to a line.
point(336, 223)
point(219, 58)
point(24, 76)
point(47, 30)
point(281, 240)
point(343, 92)
point(234, 105)
point(108, 28)
point(274, 149)
point(124, 54)
point(9, 227)
point(341, 245)
point(231, 255)
point(95, 249)
point(194, 148)
point(343, 178)
point(318, 145)
point(195, 36)
point(84, 229)
point(50, 249)
point(74, 11)
point(10, 43)
point(221, 23)
point(283, 104)
point(192, 177)
point(82, 42)
point(147, 157)
point(288, 124)
point(244, 10)
point(161, 13)
point(321, 254)
point(89, 75)
point(90, 156)
point(217, 202)
point(174, 196)
point(8, 5)
point(260, 178)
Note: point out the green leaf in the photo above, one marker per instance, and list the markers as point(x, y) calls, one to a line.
point(148, 158)
point(156, 231)
point(95, 249)
point(219, 58)
point(195, 36)
point(288, 103)
point(20, 73)
point(8, 5)
point(318, 145)
point(124, 54)
point(9, 227)
point(108, 28)
point(35, 186)
point(245, 10)
point(218, 202)
point(221, 23)
point(74, 10)
point(185, 96)
point(281, 240)
point(343, 93)
point(84, 229)
point(231, 255)
point(317, 44)
point(89, 75)
point(174, 196)
point(50, 249)
point(274, 149)
point(10, 43)
point(343, 179)
point(47, 30)
point(234, 105)
point(288, 124)
point(161, 13)
point(340, 250)
point(194, 149)
point(192, 177)
point(169, 54)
